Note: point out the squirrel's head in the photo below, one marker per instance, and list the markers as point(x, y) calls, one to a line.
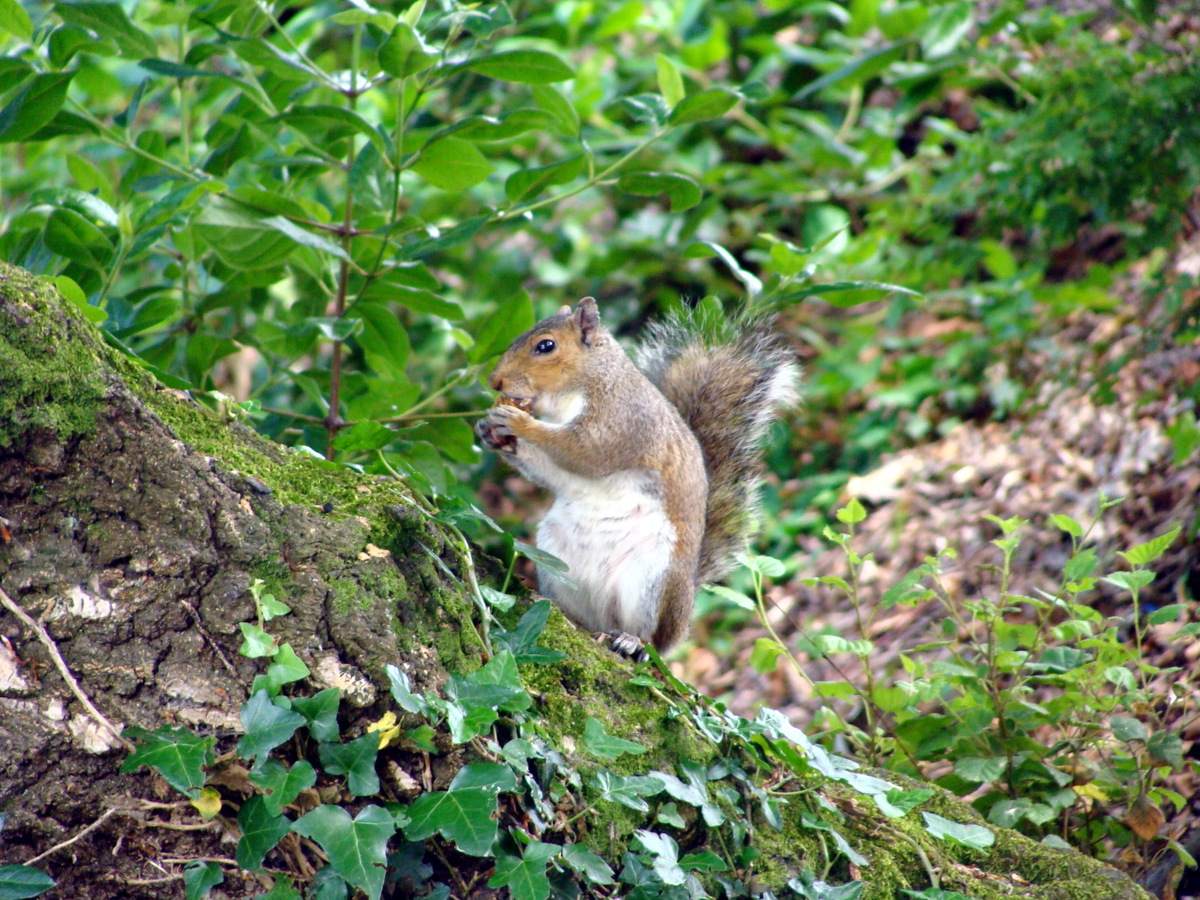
point(546, 367)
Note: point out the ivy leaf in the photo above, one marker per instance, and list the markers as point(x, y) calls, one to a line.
point(525, 875)
point(587, 864)
point(463, 816)
point(665, 855)
point(286, 668)
point(281, 784)
point(522, 640)
point(601, 744)
point(176, 754)
point(976, 836)
point(320, 712)
point(357, 849)
point(199, 878)
point(495, 777)
point(402, 691)
point(261, 831)
point(522, 66)
point(497, 685)
point(282, 889)
point(267, 726)
point(356, 760)
point(628, 790)
point(256, 643)
point(20, 882)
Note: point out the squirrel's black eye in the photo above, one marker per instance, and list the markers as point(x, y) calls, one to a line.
point(545, 345)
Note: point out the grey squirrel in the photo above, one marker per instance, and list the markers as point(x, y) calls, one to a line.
point(655, 472)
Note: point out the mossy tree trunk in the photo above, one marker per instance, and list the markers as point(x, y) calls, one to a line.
point(135, 523)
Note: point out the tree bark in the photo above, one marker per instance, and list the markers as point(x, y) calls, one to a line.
point(134, 524)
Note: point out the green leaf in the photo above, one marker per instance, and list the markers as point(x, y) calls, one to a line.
point(404, 53)
point(200, 877)
point(452, 164)
point(670, 82)
point(976, 836)
point(267, 726)
point(280, 784)
point(356, 760)
point(601, 744)
point(680, 190)
point(522, 66)
point(852, 513)
point(403, 693)
point(856, 71)
point(628, 790)
point(286, 668)
point(495, 777)
point(946, 26)
point(256, 643)
point(765, 655)
point(282, 889)
point(530, 182)
point(16, 22)
point(496, 685)
point(594, 869)
point(175, 753)
point(1127, 729)
point(320, 712)
point(559, 107)
point(1131, 581)
point(664, 854)
point(1167, 614)
point(109, 21)
point(711, 103)
point(522, 640)
point(73, 292)
point(1166, 748)
point(303, 237)
point(463, 816)
point(261, 831)
point(525, 875)
point(979, 769)
point(357, 849)
point(1067, 524)
point(496, 332)
point(21, 882)
point(34, 106)
point(1143, 554)
point(737, 598)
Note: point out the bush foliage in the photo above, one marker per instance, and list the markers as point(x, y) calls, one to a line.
point(330, 217)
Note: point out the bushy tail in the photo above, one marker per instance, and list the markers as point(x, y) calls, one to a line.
point(727, 382)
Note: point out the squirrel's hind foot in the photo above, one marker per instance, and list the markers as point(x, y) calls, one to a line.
point(626, 645)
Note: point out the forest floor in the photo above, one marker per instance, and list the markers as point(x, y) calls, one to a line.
point(1108, 388)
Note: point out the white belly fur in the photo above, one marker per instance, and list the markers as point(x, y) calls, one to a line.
point(615, 536)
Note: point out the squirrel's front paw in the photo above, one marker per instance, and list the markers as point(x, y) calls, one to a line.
point(493, 439)
point(508, 421)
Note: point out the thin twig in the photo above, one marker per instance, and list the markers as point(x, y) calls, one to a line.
point(61, 665)
point(108, 814)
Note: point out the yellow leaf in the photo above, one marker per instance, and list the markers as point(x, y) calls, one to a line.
point(1090, 790)
point(387, 728)
point(208, 804)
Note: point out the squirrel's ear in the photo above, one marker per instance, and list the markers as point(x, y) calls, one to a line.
point(587, 318)
point(564, 310)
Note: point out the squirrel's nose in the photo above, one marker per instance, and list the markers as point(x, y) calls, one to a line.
point(495, 382)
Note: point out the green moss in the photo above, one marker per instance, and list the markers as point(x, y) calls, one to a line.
point(48, 373)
